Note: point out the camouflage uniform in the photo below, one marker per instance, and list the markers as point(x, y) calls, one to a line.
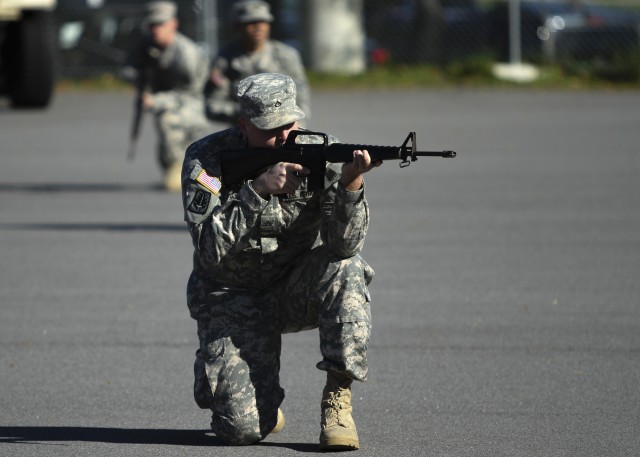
point(176, 77)
point(236, 64)
point(262, 268)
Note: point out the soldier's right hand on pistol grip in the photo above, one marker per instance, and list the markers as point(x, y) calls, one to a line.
point(282, 178)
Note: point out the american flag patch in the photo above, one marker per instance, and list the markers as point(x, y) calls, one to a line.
point(210, 182)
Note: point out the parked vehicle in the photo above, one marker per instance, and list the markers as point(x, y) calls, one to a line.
point(27, 52)
point(567, 29)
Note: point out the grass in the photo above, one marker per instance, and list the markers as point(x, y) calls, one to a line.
point(101, 82)
point(622, 73)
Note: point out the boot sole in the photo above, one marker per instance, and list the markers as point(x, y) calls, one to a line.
point(343, 445)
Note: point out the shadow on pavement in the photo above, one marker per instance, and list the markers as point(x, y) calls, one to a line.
point(100, 226)
point(79, 187)
point(31, 435)
point(60, 435)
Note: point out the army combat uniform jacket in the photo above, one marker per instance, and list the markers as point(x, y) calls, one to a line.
point(266, 267)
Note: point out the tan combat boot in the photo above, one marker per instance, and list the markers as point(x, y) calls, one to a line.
point(280, 423)
point(338, 429)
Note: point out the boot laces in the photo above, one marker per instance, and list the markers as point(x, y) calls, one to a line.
point(337, 409)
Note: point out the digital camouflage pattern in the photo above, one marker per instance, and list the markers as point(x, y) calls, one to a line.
point(159, 12)
point(262, 268)
point(246, 11)
point(235, 64)
point(176, 77)
point(268, 100)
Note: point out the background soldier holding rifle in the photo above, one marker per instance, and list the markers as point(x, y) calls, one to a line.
point(169, 72)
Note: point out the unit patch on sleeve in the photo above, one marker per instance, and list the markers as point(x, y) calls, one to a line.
point(200, 202)
point(210, 182)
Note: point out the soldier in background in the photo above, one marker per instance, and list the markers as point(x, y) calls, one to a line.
point(170, 72)
point(251, 53)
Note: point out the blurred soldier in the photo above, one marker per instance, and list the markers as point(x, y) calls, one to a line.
point(251, 53)
point(272, 256)
point(169, 72)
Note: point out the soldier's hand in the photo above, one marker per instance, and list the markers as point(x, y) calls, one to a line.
point(282, 178)
point(217, 78)
point(352, 171)
point(147, 100)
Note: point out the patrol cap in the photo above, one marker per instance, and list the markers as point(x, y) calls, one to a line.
point(247, 11)
point(159, 12)
point(268, 100)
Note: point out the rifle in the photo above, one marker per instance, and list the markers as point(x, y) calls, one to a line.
point(136, 123)
point(238, 165)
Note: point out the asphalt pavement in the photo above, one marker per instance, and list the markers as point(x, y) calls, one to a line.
point(506, 301)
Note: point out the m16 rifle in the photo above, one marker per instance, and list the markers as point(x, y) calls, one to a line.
point(239, 165)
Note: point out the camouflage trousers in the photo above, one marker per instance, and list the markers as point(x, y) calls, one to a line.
point(237, 365)
point(177, 129)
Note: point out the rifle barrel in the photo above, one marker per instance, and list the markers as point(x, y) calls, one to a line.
point(447, 154)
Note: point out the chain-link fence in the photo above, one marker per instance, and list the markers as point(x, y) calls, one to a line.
point(94, 35)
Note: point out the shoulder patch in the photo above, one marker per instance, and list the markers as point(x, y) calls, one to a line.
point(210, 182)
point(200, 202)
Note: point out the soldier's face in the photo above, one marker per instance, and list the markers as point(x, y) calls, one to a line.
point(164, 34)
point(257, 138)
point(256, 32)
